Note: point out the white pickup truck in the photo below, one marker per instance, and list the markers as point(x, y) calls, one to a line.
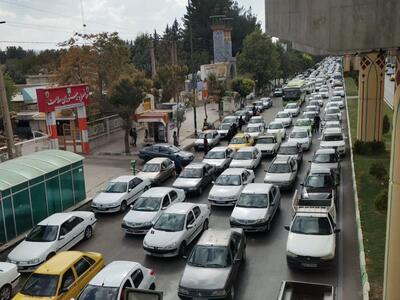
point(311, 241)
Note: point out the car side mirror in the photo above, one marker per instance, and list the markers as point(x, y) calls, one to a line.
point(64, 290)
point(236, 260)
point(213, 181)
point(337, 230)
point(61, 237)
point(129, 190)
point(164, 208)
point(189, 226)
point(286, 227)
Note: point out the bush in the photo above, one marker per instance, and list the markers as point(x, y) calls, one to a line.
point(378, 170)
point(381, 201)
point(368, 148)
point(386, 124)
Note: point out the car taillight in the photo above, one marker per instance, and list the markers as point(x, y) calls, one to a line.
point(152, 273)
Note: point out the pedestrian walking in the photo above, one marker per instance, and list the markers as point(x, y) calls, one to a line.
point(229, 134)
point(205, 143)
point(241, 123)
point(178, 165)
point(317, 121)
point(175, 138)
point(254, 109)
point(133, 134)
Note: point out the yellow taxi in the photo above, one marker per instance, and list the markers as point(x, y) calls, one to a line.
point(241, 140)
point(62, 277)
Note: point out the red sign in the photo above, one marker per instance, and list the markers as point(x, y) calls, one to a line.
point(61, 97)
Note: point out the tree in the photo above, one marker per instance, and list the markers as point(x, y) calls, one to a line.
point(216, 89)
point(259, 59)
point(243, 86)
point(126, 94)
point(11, 89)
point(140, 53)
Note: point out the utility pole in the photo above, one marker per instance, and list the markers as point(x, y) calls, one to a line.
point(6, 117)
point(194, 75)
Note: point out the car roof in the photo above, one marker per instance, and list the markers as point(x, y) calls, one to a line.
point(221, 148)
point(319, 171)
point(233, 171)
point(159, 191)
point(240, 134)
point(247, 149)
point(332, 130)
point(281, 159)
point(114, 274)
point(268, 135)
point(299, 129)
point(57, 218)
point(325, 151)
point(256, 117)
point(253, 125)
point(274, 122)
point(196, 165)
point(257, 188)
point(59, 263)
point(124, 178)
point(303, 119)
point(289, 144)
point(180, 208)
point(215, 237)
point(157, 160)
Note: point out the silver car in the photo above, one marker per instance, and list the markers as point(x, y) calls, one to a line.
point(219, 157)
point(282, 172)
point(212, 136)
point(326, 158)
point(157, 170)
point(195, 177)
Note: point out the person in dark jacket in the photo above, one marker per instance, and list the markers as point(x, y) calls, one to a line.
point(178, 165)
point(133, 135)
point(229, 134)
point(234, 129)
point(317, 121)
point(241, 123)
point(205, 142)
point(176, 140)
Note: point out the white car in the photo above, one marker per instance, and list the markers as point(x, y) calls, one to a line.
point(333, 138)
point(318, 98)
point(59, 232)
point(229, 185)
point(277, 128)
point(219, 157)
point(157, 170)
point(324, 91)
point(284, 117)
point(301, 136)
point(254, 130)
point(331, 104)
point(333, 124)
point(230, 120)
point(268, 145)
point(339, 100)
point(338, 91)
point(256, 207)
point(282, 172)
point(213, 139)
point(176, 228)
point(113, 280)
point(120, 193)
point(334, 111)
point(223, 129)
point(315, 102)
point(146, 210)
point(312, 108)
point(9, 278)
point(256, 120)
point(293, 109)
point(247, 157)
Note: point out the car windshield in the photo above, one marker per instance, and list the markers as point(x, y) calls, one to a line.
point(191, 173)
point(266, 140)
point(94, 292)
point(303, 122)
point(228, 180)
point(255, 121)
point(288, 150)
point(333, 110)
point(174, 149)
point(319, 181)
point(332, 125)
point(229, 120)
point(225, 126)
point(151, 168)
point(253, 129)
point(282, 115)
point(116, 187)
point(298, 134)
point(325, 158)
point(336, 98)
point(170, 222)
point(253, 200)
point(311, 225)
point(147, 204)
point(332, 137)
point(209, 135)
point(275, 126)
point(238, 140)
point(40, 285)
point(240, 113)
point(279, 168)
point(311, 108)
point(215, 155)
point(243, 155)
point(330, 117)
point(43, 233)
point(210, 257)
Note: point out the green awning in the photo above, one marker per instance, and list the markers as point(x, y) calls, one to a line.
point(28, 167)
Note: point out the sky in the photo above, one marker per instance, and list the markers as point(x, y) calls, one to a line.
point(41, 24)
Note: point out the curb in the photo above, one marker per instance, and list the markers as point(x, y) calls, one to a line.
point(363, 266)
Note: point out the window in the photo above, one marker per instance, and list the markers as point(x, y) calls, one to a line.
point(131, 185)
point(233, 248)
point(271, 197)
point(196, 211)
point(137, 181)
point(126, 285)
point(164, 150)
point(165, 202)
point(137, 278)
point(68, 279)
point(244, 177)
point(91, 261)
point(190, 219)
point(81, 266)
point(173, 195)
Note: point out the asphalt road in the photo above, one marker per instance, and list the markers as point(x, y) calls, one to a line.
point(265, 266)
point(389, 90)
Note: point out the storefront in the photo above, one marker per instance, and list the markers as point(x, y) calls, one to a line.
point(156, 124)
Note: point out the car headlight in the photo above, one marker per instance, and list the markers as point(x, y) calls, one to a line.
point(147, 224)
point(291, 254)
point(145, 244)
point(305, 194)
point(171, 246)
point(34, 261)
point(260, 221)
point(328, 257)
point(182, 290)
point(234, 220)
point(218, 293)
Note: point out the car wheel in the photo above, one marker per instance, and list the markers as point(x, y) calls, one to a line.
point(182, 249)
point(88, 232)
point(152, 287)
point(123, 206)
point(6, 292)
point(205, 225)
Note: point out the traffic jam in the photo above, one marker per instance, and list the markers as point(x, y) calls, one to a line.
point(242, 173)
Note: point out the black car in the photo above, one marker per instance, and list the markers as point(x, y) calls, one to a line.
point(195, 178)
point(213, 265)
point(320, 186)
point(166, 150)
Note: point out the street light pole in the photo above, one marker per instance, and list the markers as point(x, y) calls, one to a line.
point(194, 80)
point(6, 117)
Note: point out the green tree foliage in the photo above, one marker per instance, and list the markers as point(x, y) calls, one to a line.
point(126, 94)
point(140, 53)
point(293, 62)
point(243, 86)
point(259, 59)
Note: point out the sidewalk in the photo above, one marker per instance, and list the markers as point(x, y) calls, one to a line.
point(116, 147)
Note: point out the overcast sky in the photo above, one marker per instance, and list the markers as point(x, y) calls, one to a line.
point(43, 23)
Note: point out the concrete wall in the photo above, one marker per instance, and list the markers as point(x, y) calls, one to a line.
point(335, 26)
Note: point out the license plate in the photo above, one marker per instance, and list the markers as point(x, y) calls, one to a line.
point(309, 265)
